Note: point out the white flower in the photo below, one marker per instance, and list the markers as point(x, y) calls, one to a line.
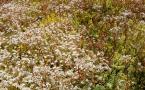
point(4, 54)
point(115, 29)
point(127, 13)
point(69, 73)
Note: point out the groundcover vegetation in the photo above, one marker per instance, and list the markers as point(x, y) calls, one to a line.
point(72, 44)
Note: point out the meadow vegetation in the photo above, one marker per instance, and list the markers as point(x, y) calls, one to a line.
point(72, 44)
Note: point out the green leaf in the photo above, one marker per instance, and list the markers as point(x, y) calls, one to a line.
point(99, 87)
